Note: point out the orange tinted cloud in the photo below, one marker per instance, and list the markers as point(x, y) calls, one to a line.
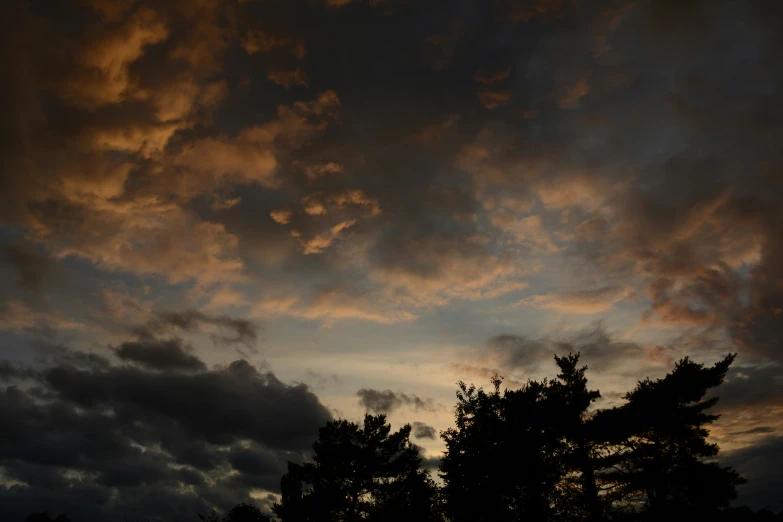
point(251, 157)
point(332, 304)
point(437, 276)
point(488, 78)
point(288, 79)
point(574, 92)
point(106, 78)
point(257, 41)
point(492, 99)
point(315, 171)
point(313, 206)
point(582, 301)
point(528, 231)
point(147, 237)
point(18, 316)
point(436, 131)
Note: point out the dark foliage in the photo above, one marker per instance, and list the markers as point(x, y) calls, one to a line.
point(660, 445)
point(45, 517)
point(538, 453)
point(239, 513)
point(359, 473)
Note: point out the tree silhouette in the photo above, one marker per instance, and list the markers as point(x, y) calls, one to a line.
point(474, 456)
point(246, 513)
point(240, 513)
point(45, 517)
point(505, 452)
point(539, 453)
point(660, 441)
point(358, 473)
point(569, 401)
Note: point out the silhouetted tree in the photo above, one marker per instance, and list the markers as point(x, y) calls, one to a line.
point(539, 453)
point(246, 513)
point(503, 460)
point(45, 517)
point(359, 473)
point(239, 513)
point(212, 517)
point(660, 440)
point(569, 401)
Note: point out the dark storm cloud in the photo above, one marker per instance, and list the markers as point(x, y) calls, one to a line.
point(747, 386)
point(88, 361)
point(387, 401)
point(10, 371)
point(423, 431)
point(217, 142)
point(762, 465)
point(258, 467)
point(125, 441)
point(159, 354)
point(263, 413)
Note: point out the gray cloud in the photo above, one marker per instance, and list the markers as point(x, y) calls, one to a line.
point(515, 352)
point(423, 431)
point(431, 463)
point(387, 401)
point(321, 380)
point(31, 265)
point(515, 356)
point(638, 145)
point(762, 465)
point(127, 441)
point(159, 354)
point(757, 431)
point(232, 330)
point(262, 414)
point(10, 371)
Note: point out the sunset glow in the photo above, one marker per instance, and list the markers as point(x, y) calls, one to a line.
point(291, 211)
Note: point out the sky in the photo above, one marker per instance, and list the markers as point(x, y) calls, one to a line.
point(224, 223)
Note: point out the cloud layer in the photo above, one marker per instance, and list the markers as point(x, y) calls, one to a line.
point(457, 189)
point(148, 440)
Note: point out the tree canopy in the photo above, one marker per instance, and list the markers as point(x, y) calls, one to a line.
point(359, 473)
point(538, 453)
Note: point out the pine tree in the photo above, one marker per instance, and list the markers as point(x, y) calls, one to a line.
point(359, 474)
point(569, 401)
point(661, 445)
point(504, 452)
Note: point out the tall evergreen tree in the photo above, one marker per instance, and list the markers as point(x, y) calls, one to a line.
point(359, 474)
point(502, 453)
point(539, 453)
point(661, 445)
point(569, 402)
point(471, 467)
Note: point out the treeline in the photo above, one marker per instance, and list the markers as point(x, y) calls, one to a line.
point(539, 453)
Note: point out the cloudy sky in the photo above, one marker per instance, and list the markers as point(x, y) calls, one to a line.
point(223, 223)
